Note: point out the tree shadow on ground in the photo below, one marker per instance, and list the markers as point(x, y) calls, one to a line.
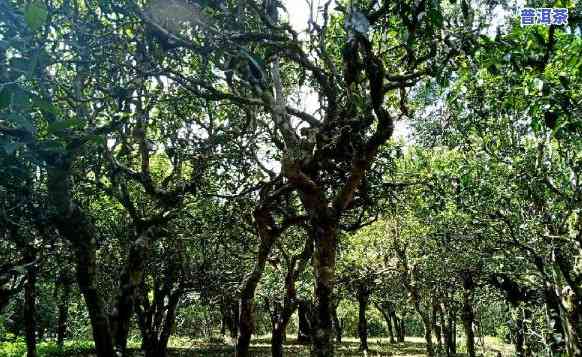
point(261, 348)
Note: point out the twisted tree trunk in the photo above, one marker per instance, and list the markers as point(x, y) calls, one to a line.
point(87, 279)
point(130, 281)
point(283, 314)
point(324, 265)
point(76, 227)
point(246, 325)
point(267, 235)
point(409, 275)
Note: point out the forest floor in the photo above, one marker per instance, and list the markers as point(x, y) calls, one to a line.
point(260, 347)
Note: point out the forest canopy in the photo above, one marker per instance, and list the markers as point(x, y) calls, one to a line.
point(268, 177)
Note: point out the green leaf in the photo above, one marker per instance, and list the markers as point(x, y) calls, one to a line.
point(22, 121)
point(98, 139)
point(436, 17)
point(44, 105)
point(4, 98)
point(538, 84)
point(20, 99)
point(21, 269)
point(9, 148)
point(53, 146)
point(62, 124)
point(257, 62)
point(35, 15)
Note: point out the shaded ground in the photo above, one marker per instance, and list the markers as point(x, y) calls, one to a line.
point(349, 347)
point(186, 347)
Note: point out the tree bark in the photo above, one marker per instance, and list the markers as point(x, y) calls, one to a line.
point(130, 280)
point(30, 310)
point(87, 279)
point(337, 323)
point(521, 342)
point(5, 296)
point(234, 326)
point(570, 308)
point(448, 323)
point(446, 337)
point(558, 336)
point(468, 314)
point(282, 314)
point(277, 339)
point(160, 344)
point(454, 336)
point(277, 330)
point(389, 325)
point(267, 235)
point(363, 297)
point(519, 337)
point(338, 326)
point(63, 313)
point(224, 318)
point(157, 321)
point(409, 276)
point(574, 342)
point(324, 265)
point(571, 294)
point(437, 327)
point(305, 330)
point(246, 325)
point(280, 322)
point(229, 322)
point(386, 314)
point(398, 325)
point(428, 334)
point(76, 227)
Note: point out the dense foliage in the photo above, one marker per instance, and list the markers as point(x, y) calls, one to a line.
point(180, 171)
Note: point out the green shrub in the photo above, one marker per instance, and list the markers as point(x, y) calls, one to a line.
point(217, 339)
point(47, 349)
point(12, 349)
point(502, 332)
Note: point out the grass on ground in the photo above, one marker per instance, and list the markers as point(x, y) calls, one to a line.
point(260, 347)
